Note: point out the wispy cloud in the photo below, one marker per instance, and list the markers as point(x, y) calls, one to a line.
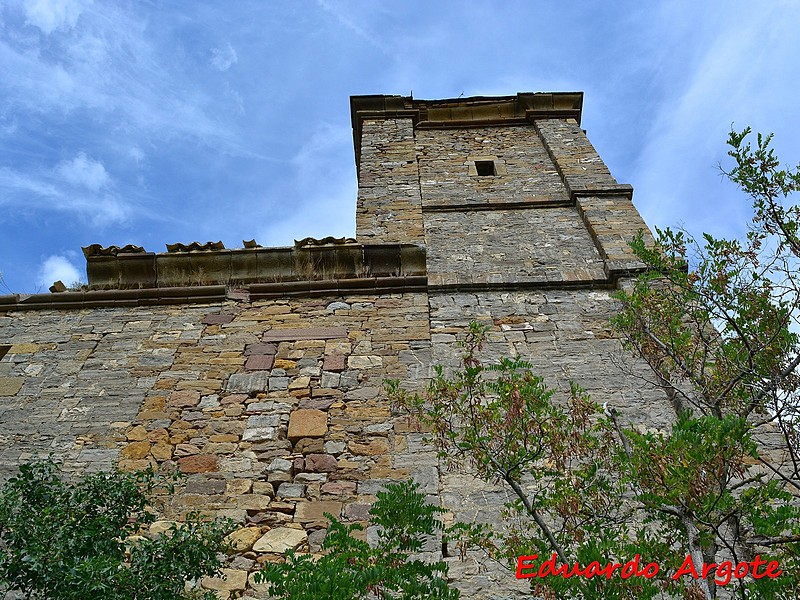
point(111, 66)
point(731, 77)
point(323, 189)
point(339, 14)
point(75, 186)
point(223, 59)
point(49, 15)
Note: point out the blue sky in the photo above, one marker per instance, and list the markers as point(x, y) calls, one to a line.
point(177, 121)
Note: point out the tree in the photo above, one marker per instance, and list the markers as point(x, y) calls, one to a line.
point(717, 322)
point(71, 541)
point(352, 569)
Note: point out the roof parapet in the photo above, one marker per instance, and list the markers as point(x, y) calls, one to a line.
point(198, 265)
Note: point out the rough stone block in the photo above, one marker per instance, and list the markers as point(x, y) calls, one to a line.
point(233, 580)
point(308, 512)
point(243, 539)
point(309, 446)
point(357, 512)
point(280, 539)
point(259, 434)
point(370, 447)
point(253, 502)
point(264, 349)
point(364, 362)
point(23, 348)
point(248, 382)
point(334, 363)
point(9, 386)
point(339, 488)
point(291, 490)
point(161, 451)
point(184, 398)
point(136, 450)
point(200, 463)
point(259, 362)
point(317, 403)
point(307, 422)
point(217, 319)
point(300, 383)
point(320, 463)
point(137, 434)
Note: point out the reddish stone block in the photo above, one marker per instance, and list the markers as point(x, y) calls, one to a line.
point(321, 463)
point(235, 399)
point(317, 403)
point(217, 319)
point(184, 398)
point(200, 463)
point(304, 333)
point(339, 488)
point(334, 362)
point(259, 362)
point(250, 349)
point(298, 465)
point(357, 512)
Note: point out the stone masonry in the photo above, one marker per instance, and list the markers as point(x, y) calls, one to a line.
point(258, 372)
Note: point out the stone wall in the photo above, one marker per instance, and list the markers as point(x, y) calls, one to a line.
point(274, 409)
point(526, 172)
point(511, 247)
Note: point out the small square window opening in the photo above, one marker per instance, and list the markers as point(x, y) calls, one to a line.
point(4, 350)
point(485, 167)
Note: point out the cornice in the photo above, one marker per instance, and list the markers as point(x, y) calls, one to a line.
point(476, 111)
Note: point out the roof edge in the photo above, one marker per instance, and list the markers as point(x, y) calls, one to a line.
point(474, 111)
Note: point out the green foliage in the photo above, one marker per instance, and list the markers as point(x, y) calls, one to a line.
point(70, 541)
point(717, 320)
point(351, 569)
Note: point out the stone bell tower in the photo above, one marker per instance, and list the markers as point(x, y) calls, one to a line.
point(525, 229)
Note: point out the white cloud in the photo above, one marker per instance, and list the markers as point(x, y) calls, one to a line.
point(223, 59)
point(49, 15)
point(84, 172)
point(58, 268)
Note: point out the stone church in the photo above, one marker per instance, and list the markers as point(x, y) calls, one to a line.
point(259, 372)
